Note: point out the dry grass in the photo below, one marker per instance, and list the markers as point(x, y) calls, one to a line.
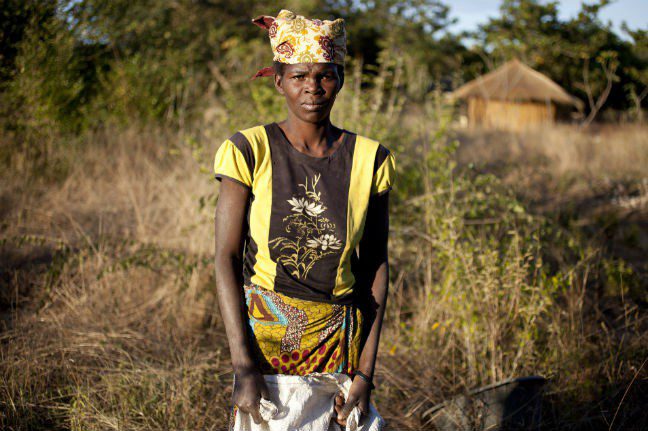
point(111, 322)
point(597, 152)
point(114, 327)
point(551, 166)
point(591, 180)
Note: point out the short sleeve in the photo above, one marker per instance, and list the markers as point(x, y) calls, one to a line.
point(384, 172)
point(233, 161)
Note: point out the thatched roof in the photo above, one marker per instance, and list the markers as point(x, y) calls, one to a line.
point(516, 81)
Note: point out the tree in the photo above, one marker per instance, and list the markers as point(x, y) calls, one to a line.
point(598, 91)
point(526, 29)
point(582, 54)
point(637, 88)
point(414, 32)
point(16, 16)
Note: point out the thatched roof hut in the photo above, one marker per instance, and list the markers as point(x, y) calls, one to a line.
point(513, 97)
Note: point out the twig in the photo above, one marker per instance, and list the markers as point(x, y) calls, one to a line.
point(626, 393)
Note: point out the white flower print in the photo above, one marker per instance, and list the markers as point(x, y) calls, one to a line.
point(313, 233)
point(324, 242)
point(301, 205)
point(313, 209)
point(298, 204)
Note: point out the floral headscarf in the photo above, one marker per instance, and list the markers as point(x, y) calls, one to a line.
point(296, 39)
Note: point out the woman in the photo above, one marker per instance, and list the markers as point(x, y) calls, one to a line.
point(301, 225)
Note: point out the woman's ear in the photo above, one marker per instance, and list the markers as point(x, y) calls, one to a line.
point(278, 82)
point(341, 76)
point(341, 84)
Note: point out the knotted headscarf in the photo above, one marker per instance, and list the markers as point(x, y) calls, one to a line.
point(295, 39)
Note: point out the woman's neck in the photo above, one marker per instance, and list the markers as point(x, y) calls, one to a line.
point(316, 139)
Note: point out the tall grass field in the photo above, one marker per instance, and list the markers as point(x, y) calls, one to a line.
point(511, 254)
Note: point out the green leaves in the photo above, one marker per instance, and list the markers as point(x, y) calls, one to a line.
point(582, 54)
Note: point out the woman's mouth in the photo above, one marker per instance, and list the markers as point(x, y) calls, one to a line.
point(313, 106)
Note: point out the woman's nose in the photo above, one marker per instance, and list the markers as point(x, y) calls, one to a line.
point(313, 86)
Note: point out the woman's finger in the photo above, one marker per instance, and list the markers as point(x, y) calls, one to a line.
point(347, 407)
point(340, 421)
point(337, 407)
point(256, 415)
point(265, 393)
point(252, 410)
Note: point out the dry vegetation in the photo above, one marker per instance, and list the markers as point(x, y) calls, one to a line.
point(110, 319)
point(111, 324)
point(511, 254)
point(593, 182)
point(598, 152)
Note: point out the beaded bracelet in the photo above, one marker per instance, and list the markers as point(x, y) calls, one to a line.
point(366, 378)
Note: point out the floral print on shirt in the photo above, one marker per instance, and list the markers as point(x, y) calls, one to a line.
point(315, 233)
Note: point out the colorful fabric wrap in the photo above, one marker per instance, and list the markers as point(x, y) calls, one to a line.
point(299, 337)
point(295, 39)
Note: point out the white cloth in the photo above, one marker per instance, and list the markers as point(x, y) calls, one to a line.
point(305, 403)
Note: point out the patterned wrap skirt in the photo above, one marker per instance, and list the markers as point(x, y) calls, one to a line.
point(299, 337)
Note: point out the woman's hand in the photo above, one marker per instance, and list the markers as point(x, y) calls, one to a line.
point(249, 387)
point(359, 395)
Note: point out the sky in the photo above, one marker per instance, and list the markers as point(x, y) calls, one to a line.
point(470, 13)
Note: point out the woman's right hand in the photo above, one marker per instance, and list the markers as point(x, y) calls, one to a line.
point(249, 388)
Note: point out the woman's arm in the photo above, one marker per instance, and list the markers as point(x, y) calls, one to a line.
point(229, 235)
point(374, 274)
point(375, 270)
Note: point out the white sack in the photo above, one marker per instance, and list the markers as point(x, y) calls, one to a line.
point(305, 403)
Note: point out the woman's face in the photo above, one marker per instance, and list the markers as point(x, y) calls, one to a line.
point(310, 89)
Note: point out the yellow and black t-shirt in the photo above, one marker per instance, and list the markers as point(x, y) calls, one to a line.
point(306, 214)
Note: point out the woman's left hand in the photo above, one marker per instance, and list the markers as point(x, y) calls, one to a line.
point(359, 395)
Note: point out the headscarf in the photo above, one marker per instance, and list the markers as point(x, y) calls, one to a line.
point(295, 39)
